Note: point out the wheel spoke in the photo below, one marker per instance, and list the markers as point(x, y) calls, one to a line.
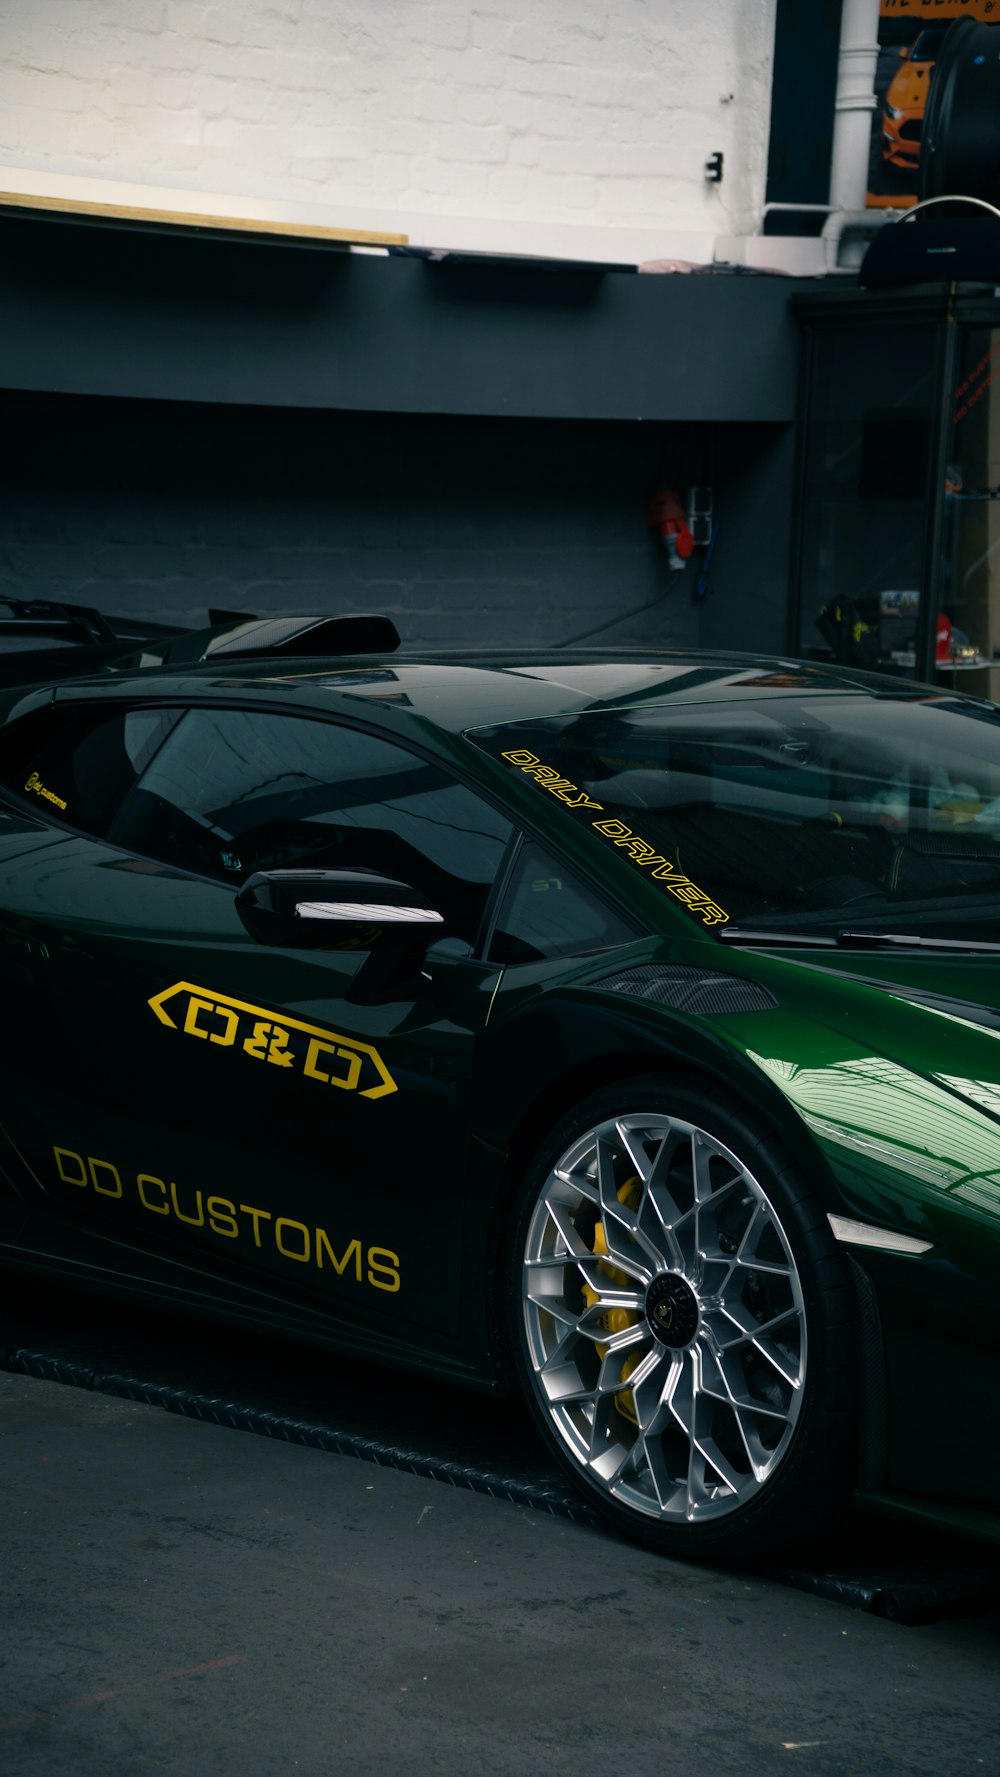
point(745, 1414)
point(762, 1227)
point(786, 1366)
point(568, 1240)
point(660, 1219)
point(619, 1339)
point(709, 1469)
point(740, 1328)
point(578, 1181)
point(594, 1273)
point(626, 1243)
point(702, 1154)
point(635, 1153)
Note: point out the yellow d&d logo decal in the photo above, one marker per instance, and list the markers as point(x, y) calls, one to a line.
point(266, 1036)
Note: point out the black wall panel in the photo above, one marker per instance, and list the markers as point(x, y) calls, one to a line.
point(88, 310)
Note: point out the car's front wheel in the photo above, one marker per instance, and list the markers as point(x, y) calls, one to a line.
point(682, 1322)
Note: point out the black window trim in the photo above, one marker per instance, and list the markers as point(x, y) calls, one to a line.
point(526, 836)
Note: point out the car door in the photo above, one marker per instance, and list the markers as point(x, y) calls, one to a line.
point(178, 1084)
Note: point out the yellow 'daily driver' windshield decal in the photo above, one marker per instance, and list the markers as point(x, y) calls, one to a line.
point(268, 1036)
point(638, 850)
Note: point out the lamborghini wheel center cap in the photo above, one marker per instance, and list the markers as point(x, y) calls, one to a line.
point(672, 1310)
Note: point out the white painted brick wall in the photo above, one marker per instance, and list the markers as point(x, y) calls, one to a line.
point(534, 125)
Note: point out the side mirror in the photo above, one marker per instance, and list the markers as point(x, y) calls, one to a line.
point(336, 910)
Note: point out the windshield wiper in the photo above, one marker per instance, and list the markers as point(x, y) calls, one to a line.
point(777, 940)
point(847, 939)
point(909, 941)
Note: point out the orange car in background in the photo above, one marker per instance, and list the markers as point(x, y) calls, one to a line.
point(906, 98)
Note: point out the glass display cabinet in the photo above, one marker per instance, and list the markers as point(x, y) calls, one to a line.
point(896, 547)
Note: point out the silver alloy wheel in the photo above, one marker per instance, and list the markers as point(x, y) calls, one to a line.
point(664, 1318)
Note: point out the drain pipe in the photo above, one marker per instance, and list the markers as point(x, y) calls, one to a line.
point(852, 131)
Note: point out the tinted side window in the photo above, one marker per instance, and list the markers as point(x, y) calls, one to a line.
point(79, 765)
point(546, 912)
point(234, 791)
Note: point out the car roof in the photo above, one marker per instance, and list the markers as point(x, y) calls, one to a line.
point(471, 690)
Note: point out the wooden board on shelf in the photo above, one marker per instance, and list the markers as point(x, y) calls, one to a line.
point(199, 220)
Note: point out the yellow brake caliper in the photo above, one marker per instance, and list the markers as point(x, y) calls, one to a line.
point(616, 1320)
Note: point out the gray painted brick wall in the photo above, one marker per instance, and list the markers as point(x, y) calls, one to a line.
point(476, 531)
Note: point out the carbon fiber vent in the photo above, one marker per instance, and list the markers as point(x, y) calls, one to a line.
point(699, 992)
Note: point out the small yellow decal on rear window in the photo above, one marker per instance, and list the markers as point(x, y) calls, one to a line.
point(35, 783)
point(272, 1038)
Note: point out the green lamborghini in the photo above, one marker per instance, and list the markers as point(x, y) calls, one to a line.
point(616, 1029)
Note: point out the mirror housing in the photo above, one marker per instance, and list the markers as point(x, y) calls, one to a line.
point(336, 910)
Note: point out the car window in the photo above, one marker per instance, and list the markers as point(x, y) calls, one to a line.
point(547, 912)
point(78, 765)
point(814, 811)
point(236, 791)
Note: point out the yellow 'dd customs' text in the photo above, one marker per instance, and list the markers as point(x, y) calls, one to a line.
point(299, 1242)
point(638, 850)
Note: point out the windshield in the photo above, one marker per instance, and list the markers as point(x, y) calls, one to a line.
point(790, 814)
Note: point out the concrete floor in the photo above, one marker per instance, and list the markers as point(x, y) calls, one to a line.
point(181, 1598)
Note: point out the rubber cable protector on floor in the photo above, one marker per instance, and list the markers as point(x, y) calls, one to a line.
point(236, 1417)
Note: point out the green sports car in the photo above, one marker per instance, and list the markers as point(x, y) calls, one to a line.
point(619, 1029)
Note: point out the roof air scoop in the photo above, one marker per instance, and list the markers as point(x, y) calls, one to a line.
point(350, 634)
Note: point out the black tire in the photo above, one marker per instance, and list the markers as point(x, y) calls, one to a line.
point(682, 1322)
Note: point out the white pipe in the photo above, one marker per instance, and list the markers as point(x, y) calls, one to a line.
point(855, 102)
point(852, 130)
point(820, 209)
point(860, 224)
